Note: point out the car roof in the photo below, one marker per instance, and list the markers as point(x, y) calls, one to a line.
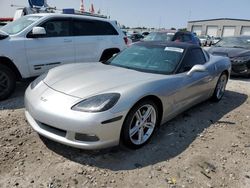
point(183, 45)
point(61, 15)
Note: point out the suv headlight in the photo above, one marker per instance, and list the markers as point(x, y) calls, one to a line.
point(98, 103)
point(38, 80)
point(241, 59)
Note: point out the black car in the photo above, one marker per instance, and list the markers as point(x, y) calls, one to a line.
point(135, 37)
point(238, 50)
point(145, 33)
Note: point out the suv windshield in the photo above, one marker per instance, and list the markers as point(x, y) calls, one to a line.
point(159, 36)
point(234, 42)
point(146, 58)
point(20, 24)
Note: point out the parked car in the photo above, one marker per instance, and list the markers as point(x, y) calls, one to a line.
point(238, 50)
point(166, 35)
point(215, 40)
point(35, 43)
point(95, 105)
point(135, 37)
point(127, 39)
point(145, 33)
point(185, 36)
point(198, 42)
point(205, 40)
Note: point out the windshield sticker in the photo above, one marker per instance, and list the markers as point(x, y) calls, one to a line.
point(174, 49)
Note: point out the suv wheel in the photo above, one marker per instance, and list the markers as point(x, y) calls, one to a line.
point(7, 82)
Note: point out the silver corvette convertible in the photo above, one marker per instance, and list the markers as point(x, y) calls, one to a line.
point(98, 105)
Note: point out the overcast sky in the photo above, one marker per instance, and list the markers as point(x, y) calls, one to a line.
point(151, 13)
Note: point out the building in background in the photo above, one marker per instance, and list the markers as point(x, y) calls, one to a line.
point(220, 27)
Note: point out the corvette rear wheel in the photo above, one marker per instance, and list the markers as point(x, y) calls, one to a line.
point(140, 124)
point(220, 87)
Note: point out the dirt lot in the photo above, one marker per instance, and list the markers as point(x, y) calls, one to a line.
point(207, 146)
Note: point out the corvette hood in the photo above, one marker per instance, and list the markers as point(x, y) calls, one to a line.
point(86, 79)
point(230, 52)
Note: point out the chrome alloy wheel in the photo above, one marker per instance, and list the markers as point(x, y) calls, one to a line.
point(221, 86)
point(143, 124)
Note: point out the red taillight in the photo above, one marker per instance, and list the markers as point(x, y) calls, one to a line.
point(125, 40)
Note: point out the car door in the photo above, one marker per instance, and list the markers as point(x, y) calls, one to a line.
point(53, 49)
point(92, 38)
point(196, 87)
point(88, 40)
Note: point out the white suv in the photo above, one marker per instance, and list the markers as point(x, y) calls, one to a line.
point(35, 43)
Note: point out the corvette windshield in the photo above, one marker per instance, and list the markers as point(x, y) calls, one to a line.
point(19, 25)
point(234, 42)
point(145, 58)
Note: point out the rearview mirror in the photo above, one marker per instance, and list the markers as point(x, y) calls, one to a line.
point(196, 68)
point(37, 32)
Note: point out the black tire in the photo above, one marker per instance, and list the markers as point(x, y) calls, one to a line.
point(218, 96)
point(126, 128)
point(7, 82)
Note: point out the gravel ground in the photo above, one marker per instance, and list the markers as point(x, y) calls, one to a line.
point(207, 146)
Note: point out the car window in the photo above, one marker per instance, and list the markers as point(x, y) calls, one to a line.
point(193, 57)
point(186, 38)
point(20, 24)
point(182, 37)
point(57, 28)
point(234, 42)
point(153, 59)
point(92, 27)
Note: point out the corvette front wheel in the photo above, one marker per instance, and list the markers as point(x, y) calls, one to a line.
point(140, 124)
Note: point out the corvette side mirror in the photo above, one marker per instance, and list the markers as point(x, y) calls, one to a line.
point(196, 68)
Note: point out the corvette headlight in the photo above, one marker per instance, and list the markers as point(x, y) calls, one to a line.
point(241, 59)
point(38, 80)
point(98, 103)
